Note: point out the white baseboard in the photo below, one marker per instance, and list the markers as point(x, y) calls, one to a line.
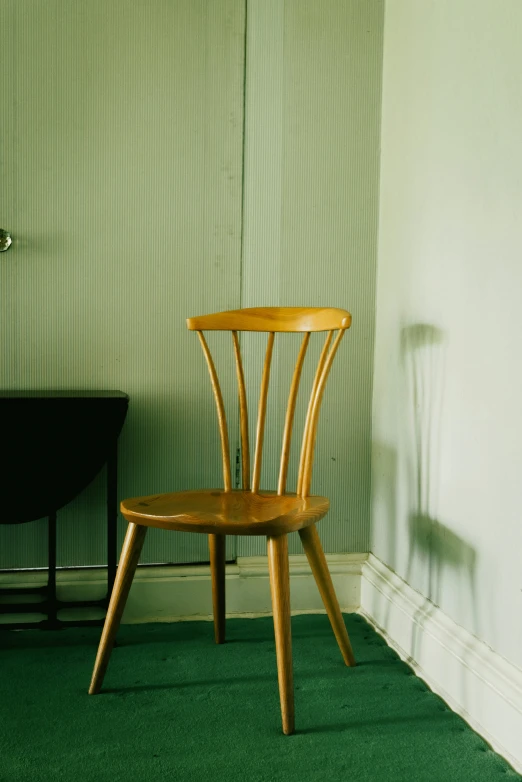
point(181, 593)
point(476, 682)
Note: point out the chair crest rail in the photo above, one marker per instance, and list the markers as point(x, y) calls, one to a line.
point(278, 319)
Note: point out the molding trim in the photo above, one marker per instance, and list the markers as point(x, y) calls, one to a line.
point(475, 681)
point(179, 593)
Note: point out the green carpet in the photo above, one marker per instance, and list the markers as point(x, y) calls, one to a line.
point(177, 707)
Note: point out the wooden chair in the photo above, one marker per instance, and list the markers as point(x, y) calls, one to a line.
point(249, 511)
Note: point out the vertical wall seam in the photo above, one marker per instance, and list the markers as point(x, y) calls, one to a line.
point(243, 141)
point(376, 279)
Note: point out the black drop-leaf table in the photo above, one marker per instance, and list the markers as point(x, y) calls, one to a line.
point(54, 443)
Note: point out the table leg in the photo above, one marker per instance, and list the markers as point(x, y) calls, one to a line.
point(51, 580)
point(112, 516)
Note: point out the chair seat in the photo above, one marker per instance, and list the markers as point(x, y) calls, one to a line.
point(229, 513)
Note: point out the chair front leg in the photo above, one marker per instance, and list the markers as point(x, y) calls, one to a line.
point(314, 552)
point(129, 558)
point(280, 589)
point(217, 545)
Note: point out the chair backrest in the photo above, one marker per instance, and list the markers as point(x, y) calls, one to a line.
point(271, 320)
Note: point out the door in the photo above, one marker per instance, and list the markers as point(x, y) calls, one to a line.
point(120, 183)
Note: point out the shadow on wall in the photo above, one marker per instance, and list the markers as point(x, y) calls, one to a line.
point(384, 491)
point(433, 547)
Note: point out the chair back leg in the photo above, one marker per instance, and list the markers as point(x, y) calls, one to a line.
point(280, 590)
point(314, 552)
point(217, 544)
point(129, 558)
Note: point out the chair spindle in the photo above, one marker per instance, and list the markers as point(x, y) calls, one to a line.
point(290, 411)
point(320, 365)
point(243, 413)
point(260, 431)
point(225, 449)
point(314, 417)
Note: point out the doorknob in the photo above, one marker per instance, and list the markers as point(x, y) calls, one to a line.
point(5, 240)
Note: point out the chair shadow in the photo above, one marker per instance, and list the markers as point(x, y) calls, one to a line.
point(222, 683)
point(433, 546)
point(303, 676)
point(351, 725)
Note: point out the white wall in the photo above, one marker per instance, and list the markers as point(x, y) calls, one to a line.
point(447, 412)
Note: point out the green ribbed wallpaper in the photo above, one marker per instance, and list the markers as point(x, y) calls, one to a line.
point(121, 183)
point(137, 197)
point(313, 97)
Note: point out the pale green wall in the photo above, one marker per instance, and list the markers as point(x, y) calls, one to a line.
point(124, 194)
point(121, 183)
point(447, 420)
point(313, 92)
